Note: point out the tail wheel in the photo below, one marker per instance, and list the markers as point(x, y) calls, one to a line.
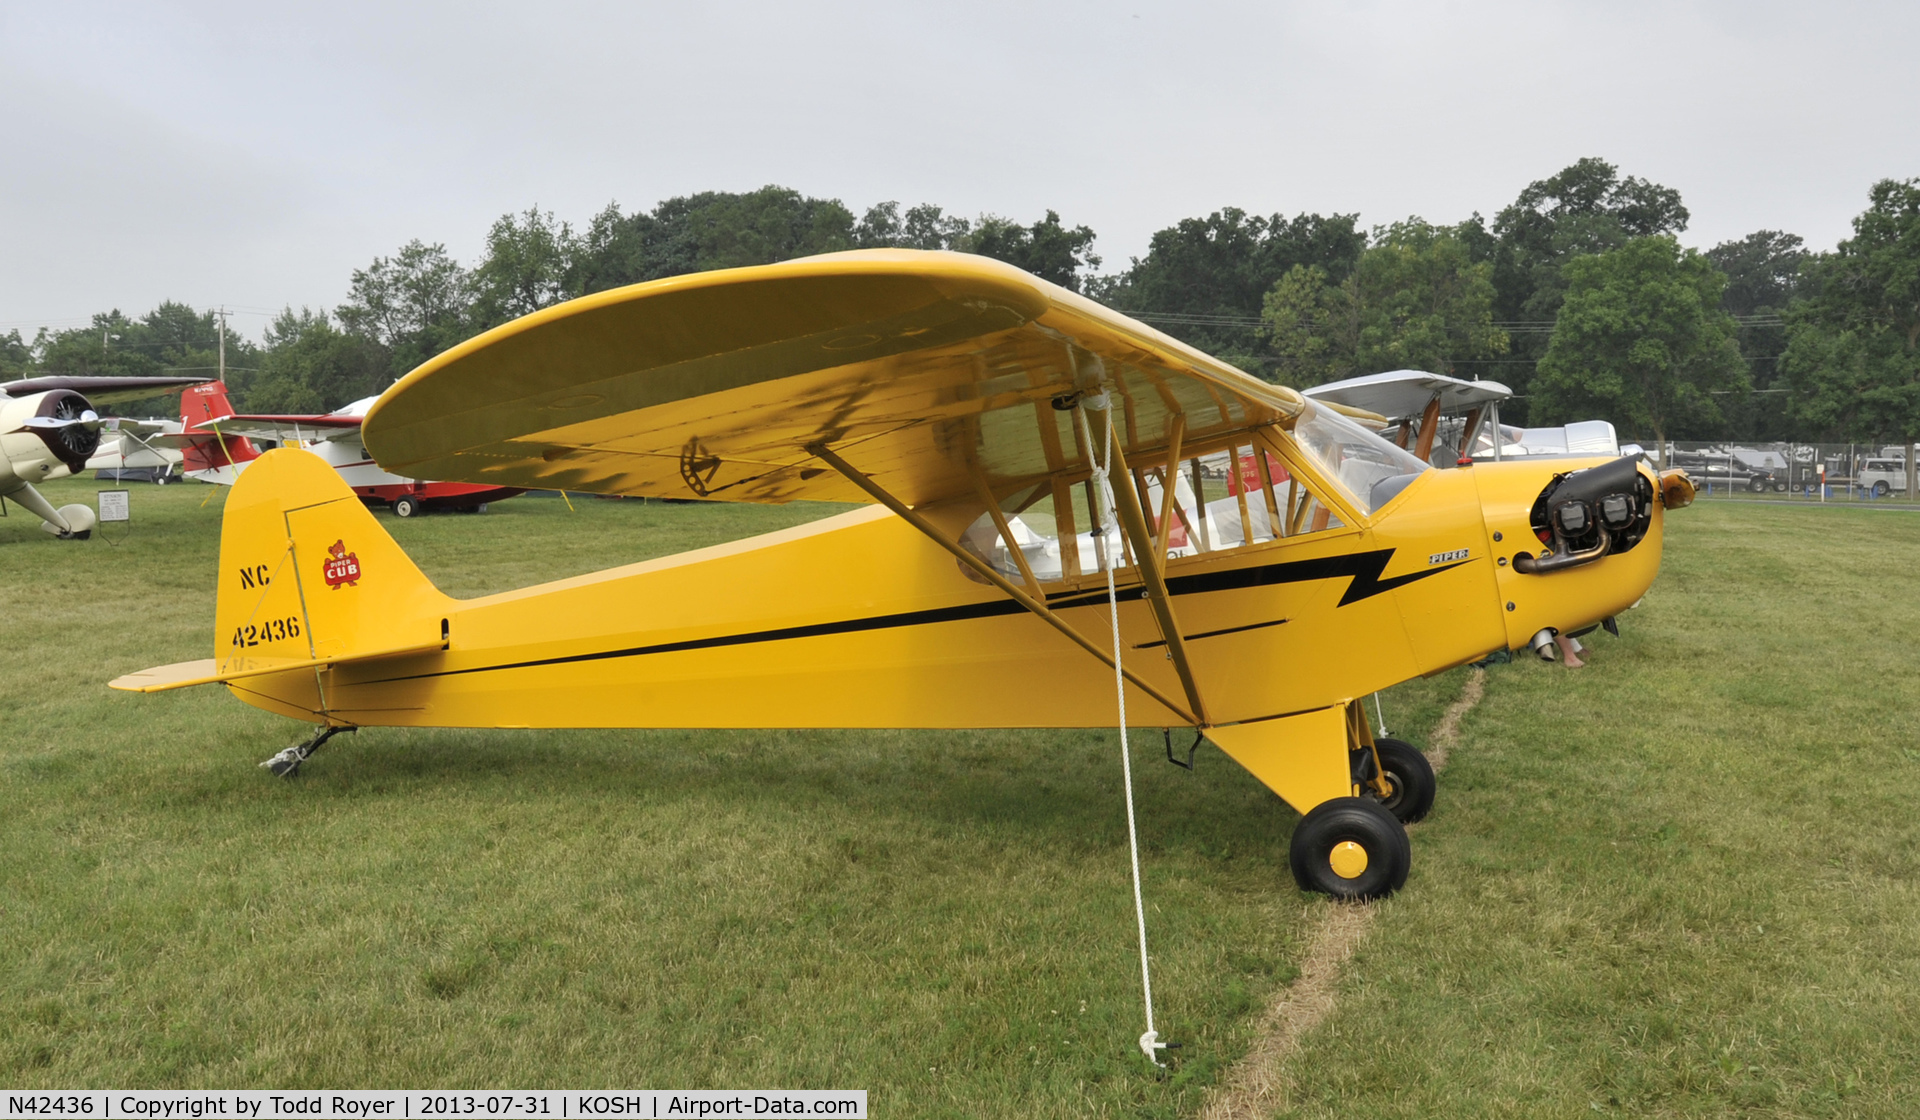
point(1410, 775)
point(1350, 847)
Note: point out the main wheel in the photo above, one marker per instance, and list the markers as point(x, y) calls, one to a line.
point(159, 480)
point(1350, 847)
point(405, 507)
point(1410, 775)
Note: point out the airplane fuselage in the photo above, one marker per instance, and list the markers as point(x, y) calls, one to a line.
point(860, 621)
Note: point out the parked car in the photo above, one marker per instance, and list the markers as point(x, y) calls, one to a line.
point(1726, 469)
point(1881, 477)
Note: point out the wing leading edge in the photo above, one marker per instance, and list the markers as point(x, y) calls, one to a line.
point(929, 370)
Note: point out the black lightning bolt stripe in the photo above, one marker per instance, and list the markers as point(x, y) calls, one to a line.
point(1363, 568)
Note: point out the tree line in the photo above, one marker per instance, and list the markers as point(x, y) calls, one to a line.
point(1577, 294)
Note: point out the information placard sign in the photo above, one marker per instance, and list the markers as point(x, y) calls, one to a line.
point(114, 506)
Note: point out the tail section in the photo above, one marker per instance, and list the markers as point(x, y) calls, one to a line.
point(298, 548)
point(213, 457)
point(307, 578)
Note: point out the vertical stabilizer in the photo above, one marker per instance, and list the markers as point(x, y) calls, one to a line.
point(308, 575)
point(206, 454)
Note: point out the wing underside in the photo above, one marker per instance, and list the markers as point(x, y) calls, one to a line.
point(930, 372)
point(285, 429)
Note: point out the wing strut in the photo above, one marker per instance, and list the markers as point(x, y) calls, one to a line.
point(986, 571)
point(1152, 564)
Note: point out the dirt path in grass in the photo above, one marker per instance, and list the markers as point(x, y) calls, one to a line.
point(1252, 1088)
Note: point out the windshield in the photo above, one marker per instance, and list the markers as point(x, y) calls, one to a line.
point(1368, 468)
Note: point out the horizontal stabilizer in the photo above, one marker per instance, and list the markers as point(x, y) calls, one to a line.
point(308, 580)
point(186, 674)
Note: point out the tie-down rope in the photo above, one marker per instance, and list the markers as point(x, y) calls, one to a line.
point(1149, 1042)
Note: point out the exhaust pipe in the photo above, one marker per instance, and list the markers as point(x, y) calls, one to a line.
point(1542, 643)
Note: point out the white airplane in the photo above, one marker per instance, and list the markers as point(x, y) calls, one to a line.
point(138, 451)
point(335, 437)
point(1442, 419)
point(49, 428)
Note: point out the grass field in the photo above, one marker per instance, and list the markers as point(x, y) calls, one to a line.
point(942, 919)
point(1680, 882)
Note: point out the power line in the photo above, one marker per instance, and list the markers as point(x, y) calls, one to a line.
point(1512, 326)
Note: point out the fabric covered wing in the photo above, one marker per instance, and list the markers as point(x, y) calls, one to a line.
point(1406, 392)
point(103, 390)
point(283, 428)
point(917, 367)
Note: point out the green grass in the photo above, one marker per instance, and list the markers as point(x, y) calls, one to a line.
point(942, 919)
point(1681, 882)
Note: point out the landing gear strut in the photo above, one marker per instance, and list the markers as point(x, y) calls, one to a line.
point(1409, 778)
point(287, 763)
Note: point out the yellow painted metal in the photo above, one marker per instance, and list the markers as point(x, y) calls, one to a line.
point(1153, 577)
point(956, 379)
point(1565, 600)
point(1348, 860)
point(981, 568)
point(1360, 737)
point(1301, 757)
point(862, 621)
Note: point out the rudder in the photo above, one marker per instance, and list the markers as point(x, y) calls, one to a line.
point(308, 575)
point(200, 404)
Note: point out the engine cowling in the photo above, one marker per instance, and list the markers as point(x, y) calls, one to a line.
point(1587, 514)
point(35, 453)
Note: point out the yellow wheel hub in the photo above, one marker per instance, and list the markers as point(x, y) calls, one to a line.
point(1348, 859)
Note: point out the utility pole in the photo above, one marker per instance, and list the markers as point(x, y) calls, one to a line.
point(223, 345)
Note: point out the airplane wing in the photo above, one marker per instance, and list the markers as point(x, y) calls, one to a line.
point(103, 390)
point(286, 429)
point(924, 370)
point(1406, 392)
point(139, 429)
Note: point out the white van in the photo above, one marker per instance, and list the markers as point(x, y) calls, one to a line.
point(1881, 477)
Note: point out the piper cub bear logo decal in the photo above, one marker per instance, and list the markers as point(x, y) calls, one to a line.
point(342, 566)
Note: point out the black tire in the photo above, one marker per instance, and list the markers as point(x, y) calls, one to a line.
point(1411, 776)
point(1757, 485)
point(1780, 486)
point(159, 480)
point(1881, 489)
point(1357, 821)
point(405, 507)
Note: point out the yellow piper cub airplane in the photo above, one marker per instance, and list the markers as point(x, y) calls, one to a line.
point(1272, 559)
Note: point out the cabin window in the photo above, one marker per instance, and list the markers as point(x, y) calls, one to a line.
point(1222, 500)
point(1370, 470)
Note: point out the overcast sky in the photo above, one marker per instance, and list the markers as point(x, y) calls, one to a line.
point(254, 155)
